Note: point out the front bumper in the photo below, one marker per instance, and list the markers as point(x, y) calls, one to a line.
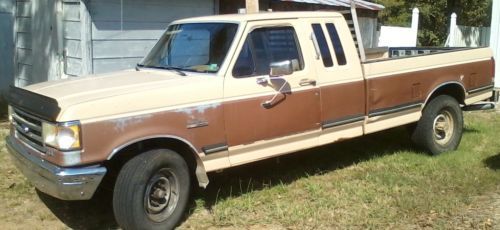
point(63, 183)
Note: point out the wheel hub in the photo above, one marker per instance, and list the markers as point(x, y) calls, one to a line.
point(443, 127)
point(161, 196)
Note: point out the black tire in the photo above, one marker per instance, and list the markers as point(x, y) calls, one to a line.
point(410, 128)
point(152, 191)
point(440, 127)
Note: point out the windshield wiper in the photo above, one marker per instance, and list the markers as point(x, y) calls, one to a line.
point(175, 69)
point(178, 70)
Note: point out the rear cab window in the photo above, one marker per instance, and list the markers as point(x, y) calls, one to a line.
point(337, 44)
point(322, 45)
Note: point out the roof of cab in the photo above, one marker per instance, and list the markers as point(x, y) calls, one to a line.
point(259, 16)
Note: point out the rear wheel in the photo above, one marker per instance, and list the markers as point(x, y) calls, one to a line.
point(440, 127)
point(152, 191)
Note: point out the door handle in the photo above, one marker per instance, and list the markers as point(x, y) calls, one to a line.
point(262, 81)
point(307, 81)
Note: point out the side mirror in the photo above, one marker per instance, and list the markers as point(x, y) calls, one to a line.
point(281, 68)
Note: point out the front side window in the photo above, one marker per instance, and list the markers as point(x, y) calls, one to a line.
point(196, 47)
point(264, 46)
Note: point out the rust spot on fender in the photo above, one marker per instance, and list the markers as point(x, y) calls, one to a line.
point(100, 138)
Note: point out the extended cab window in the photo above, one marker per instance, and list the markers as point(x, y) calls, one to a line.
point(323, 47)
point(337, 44)
point(264, 46)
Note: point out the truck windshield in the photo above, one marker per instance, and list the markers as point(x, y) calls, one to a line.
point(194, 47)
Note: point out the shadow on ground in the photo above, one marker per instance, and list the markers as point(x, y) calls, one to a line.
point(493, 162)
point(98, 213)
point(287, 169)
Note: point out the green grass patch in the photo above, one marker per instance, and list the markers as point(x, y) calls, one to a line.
point(377, 181)
point(380, 181)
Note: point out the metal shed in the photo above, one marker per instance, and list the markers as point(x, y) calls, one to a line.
point(57, 39)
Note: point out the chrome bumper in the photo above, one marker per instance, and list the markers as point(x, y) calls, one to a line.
point(62, 183)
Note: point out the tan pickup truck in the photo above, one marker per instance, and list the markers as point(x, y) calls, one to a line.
point(221, 91)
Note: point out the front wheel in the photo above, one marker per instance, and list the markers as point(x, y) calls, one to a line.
point(440, 127)
point(152, 191)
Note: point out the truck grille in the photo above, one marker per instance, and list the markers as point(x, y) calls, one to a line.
point(28, 128)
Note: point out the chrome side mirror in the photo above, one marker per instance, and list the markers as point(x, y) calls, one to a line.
point(278, 69)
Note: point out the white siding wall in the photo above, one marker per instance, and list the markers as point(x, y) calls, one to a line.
point(71, 38)
point(6, 44)
point(123, 31)
point(23, 65)
point(36, 42)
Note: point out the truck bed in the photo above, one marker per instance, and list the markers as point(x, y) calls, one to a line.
point(385, 53)
point(407, 81)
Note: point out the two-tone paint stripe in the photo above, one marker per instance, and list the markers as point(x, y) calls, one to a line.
point(395, 109)
point(343, 121)
point(373, 113)
point(481, 89)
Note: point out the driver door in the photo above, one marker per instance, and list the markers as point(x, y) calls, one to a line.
point(267, 116)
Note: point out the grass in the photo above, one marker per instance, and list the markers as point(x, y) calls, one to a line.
point(378, 181)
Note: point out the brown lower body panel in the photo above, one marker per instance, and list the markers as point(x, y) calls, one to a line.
point(388, 92)
point(248, 121)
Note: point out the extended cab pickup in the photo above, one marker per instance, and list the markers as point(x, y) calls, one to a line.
point(221, 91)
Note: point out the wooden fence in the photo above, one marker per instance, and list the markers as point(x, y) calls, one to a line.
point(467, 36)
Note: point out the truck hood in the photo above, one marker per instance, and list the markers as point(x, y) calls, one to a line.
point(128, 91)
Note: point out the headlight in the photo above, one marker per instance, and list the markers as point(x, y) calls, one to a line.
point(65, 136)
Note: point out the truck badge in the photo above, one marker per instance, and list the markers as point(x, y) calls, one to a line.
point(26, 129)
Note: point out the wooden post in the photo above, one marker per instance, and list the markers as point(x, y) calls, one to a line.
point(252, 6)
point(358, 32)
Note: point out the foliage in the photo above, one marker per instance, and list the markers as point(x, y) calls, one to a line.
point(435, 16)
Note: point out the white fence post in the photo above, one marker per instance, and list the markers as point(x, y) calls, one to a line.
point(414, 25)
point(453, 28)
point(495, 39)
point(395, 36)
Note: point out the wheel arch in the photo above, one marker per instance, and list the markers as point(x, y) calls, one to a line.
point(121, 154)
point(454, 89)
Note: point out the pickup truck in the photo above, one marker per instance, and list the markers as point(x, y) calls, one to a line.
point(221, 91)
